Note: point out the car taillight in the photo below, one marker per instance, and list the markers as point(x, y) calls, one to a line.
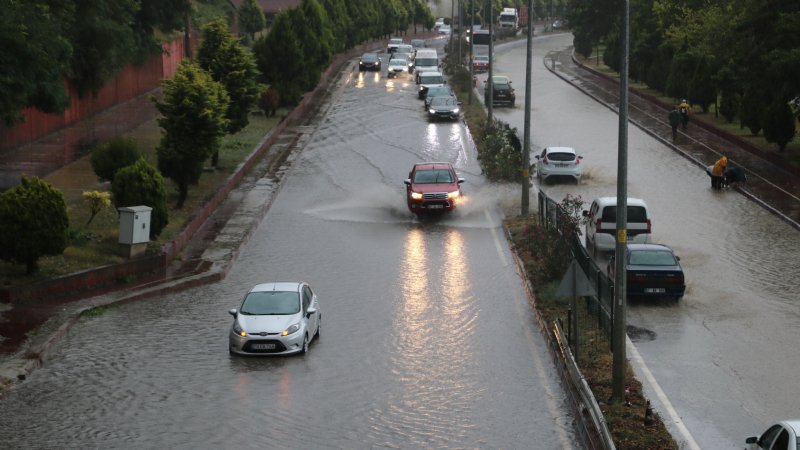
point(598, 224)
point(577, 161)
point(633, 278)
point(648, 226)
point(674, 279)
point(545, 160)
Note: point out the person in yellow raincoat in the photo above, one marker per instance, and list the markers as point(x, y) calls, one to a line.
point(718, 173)
point(684, 109)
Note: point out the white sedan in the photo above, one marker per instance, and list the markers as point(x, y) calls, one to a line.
point(276, 319)
point(559, 162)
point(784, 435)
point(397, 66)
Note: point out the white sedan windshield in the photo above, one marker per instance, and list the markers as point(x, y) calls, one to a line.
point(272, 302)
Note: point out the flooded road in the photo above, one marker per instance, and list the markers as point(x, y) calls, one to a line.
point(723, 355)
point(427, 339)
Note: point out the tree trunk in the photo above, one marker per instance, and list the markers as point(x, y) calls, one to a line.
point(183, 191)
point(31, 267)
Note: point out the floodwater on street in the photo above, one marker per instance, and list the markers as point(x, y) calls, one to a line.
point(722, 355)
point(427, 338)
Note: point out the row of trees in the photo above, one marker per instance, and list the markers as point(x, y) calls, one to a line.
point(86, 42)
point(209, 96)
point(741, 55)
point(302, 41)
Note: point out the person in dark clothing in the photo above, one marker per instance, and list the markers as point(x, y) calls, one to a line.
point(674, 121)
point(734, 176)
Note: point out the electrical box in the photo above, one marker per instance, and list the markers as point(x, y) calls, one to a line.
point(134, 224)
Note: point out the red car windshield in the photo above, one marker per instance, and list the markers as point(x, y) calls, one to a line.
point(433, 176)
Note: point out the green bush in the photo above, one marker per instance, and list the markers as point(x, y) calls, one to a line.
point(113, 155)
point(751, 111)
point(729, 105)
point(501, 156)
point(141, 184)
point(778, 122)
point(33, 222)
point(548, 249)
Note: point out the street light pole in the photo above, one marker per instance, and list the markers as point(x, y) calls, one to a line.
point(620, 298)
point(452, 22)
point(526, 148)
point(471, 44)
point(460, 26)
point(489, 84)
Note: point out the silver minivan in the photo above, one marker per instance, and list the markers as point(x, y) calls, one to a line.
point(601, 224)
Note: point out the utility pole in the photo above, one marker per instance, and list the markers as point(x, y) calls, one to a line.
point(471, 44)
point(526, 147)
point(620, 297)
point(460, 25)
point(452, 22)
point(489, 84)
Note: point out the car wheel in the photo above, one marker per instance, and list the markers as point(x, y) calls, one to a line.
point(319, 326)
point(305, 345)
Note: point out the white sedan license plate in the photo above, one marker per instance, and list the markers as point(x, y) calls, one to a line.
point(654, 290)
point(435, 206)
point(266, 346)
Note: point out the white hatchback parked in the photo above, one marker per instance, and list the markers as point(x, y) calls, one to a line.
point(559, 162)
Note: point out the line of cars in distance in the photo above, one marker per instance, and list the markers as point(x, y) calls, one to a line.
point(432, 187)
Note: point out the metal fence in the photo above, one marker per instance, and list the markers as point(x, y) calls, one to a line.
point(595, 319)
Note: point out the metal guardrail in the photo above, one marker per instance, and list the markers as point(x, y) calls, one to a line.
point(601, 304)
point(589, 405)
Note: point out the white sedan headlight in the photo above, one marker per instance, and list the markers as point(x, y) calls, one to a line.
point(455, 111)
point(432, 111)
point(292, 329)
point(237, 329)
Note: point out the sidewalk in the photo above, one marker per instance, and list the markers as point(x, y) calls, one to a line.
point(770, 184)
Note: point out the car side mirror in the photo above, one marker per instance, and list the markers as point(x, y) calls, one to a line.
point(407, 181)
point(539, 156)
point(311, 310)
point(580, 157)
point(751, 440)
point(460, 180)
point(459, 103)
point(232, 312)
point(585, 212)
point(677, 257)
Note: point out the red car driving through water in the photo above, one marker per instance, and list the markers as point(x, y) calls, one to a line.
point(432, 187)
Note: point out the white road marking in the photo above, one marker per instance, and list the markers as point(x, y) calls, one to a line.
point(636, 358)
